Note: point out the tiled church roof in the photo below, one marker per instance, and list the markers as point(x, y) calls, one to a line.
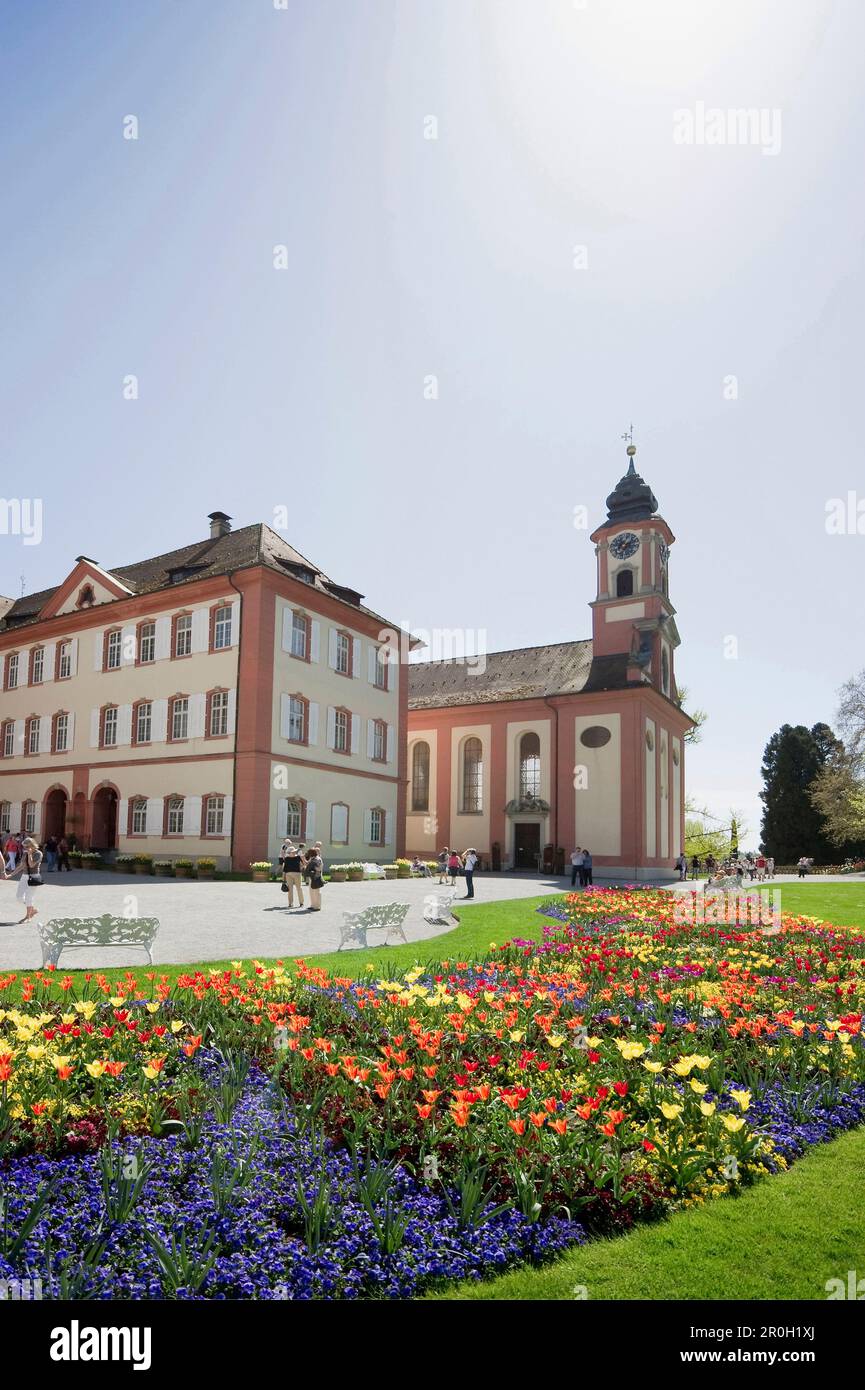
point(526, 673)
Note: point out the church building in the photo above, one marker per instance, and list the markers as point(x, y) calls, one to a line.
point(577, 743)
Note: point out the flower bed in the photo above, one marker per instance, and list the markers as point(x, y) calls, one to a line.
point(454, 1120)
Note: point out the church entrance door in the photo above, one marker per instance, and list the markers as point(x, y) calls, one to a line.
point(527, 845)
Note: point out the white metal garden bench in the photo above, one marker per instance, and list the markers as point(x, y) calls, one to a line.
point(79, 933)
point(438, 907)
point(386, 917)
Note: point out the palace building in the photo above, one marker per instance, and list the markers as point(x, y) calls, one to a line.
point(578, 743)
point(203, 703)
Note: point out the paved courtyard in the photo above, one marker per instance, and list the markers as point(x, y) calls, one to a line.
point(225, 921)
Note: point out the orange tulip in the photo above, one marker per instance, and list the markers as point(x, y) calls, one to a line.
point(518, 1126)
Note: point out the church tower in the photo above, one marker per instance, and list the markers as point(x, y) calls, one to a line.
point(633, 620)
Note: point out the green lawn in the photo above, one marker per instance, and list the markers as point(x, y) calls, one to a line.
point(782, 1239)
point(841, 903)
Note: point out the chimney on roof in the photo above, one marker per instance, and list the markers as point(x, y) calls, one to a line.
point(220, 525)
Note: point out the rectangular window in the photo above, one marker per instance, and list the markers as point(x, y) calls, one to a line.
point(175, 815)
point(64, 664)
point(146, 644)
point(343, 654)
point(12, 671)
point(381, 669)
point(33, 730)
point(109, 727)
point(296, 720)
point(341, 731)
point(139, 816)
point(214, 815)
point(8, 739)
point(38, 669)
point(143, 722)
point(376, 827)
point(222, 629)
point(61, 733)
point(113, 643)
point(29, 817)
point(294, 820)
point(183, 635)
point(300, 636)
point(379, 741)
point(218, 713)
point(180, 718)
point(339, 823)
point(5, 813)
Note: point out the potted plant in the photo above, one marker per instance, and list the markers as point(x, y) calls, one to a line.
point(183, 868)
point(260, 870)
point(75, 858)
point(390, 870)
point(206, 868)
point(163, 868)
point(143, 863)
point(403, 868)
point(337, 874)
point(91, 860)
point(123, 864)
point(354, 872)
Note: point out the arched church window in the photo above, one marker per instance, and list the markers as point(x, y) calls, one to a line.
point(665, 671)
point(530, 765)
point(624, 583)
point(420, 777)
point(473, 776)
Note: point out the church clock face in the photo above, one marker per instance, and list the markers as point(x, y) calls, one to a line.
point(624, 545)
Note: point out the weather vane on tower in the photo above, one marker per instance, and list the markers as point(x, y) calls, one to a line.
point(629, 436)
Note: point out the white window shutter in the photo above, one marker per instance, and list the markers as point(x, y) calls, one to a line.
point(331, 649)
point(123, 818)
point(192, 816)
point(37, 820)
point(73, 657)
point(371, 664)
point(370, 738)
point(70, 730)
point(388, 828)
point(284, 715)
point(331, 726)
point(162, 642)
point(48, 663)
point(159, 724)
point(312, 731)
point(287, 625)
point(128, 645)
point(314, 640)
point(19, 736)
point(153, 821)
point(124, 724)
point(355, 732)
point(310, 820)
point(200, 630)
point(232, 710)
point(282, 817)
point(98, 649)
point(389, 745)
point(367, 827)
point(15, 816)
point(235, 621)
point(356, 655)
point(197, 712)
point(94, 728)
point(39, 747)
point(227, 809)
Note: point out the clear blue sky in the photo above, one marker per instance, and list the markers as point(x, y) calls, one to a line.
point(455, 257)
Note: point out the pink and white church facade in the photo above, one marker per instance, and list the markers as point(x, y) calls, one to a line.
point(575, 743)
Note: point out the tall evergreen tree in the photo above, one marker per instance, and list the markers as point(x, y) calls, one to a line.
point(792, 825)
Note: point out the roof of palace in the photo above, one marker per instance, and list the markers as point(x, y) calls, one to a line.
point(218, 555)
point(525, 673)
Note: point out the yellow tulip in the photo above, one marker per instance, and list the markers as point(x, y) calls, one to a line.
point(742, 1098)
point(707, 1107)
point(654, 1067)
point(732, 1123)
point(670, 1112)
point(698, 1087)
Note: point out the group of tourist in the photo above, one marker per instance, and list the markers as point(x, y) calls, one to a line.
point(452, 864)
point(302, 865)
point(581, 867)
point(757, 867)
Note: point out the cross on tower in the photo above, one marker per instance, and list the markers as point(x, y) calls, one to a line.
point(628, 436)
